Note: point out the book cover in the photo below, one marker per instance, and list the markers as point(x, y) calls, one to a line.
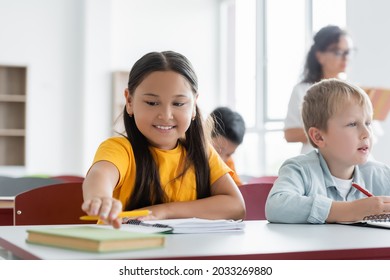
point(94, 239)
point(380, 99)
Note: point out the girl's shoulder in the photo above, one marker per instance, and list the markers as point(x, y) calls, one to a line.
point(116, 141)
point(210, 150)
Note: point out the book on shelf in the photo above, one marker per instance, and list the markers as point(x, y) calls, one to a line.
point(186, 225)
point(378, 221)
point(94, 238)
point(380, 99)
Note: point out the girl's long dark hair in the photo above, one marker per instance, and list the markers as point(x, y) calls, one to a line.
point(324, 38)
point(147, 189)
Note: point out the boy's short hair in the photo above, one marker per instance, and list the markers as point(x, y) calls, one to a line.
point(228, 124)
point(327, 97)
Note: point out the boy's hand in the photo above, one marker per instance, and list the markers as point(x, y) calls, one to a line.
point(352, 211)
point(372, 206)
point(381, 204)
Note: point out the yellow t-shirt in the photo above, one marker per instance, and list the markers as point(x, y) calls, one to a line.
point(118, 151)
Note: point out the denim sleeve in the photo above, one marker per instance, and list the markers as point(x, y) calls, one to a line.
point(298, 196)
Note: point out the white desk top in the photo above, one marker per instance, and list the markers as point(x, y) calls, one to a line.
point(259, 240)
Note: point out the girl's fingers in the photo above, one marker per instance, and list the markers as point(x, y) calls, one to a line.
point(86, 205)
point(116, 208)
point(107, 208)
point(117, 223)
point(95, 206)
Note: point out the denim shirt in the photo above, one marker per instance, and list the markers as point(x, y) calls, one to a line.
point(304, 190)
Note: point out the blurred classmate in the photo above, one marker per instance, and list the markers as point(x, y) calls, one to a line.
point(164, 163)
point(327, 58)
point(317, 187)
point(227, 134)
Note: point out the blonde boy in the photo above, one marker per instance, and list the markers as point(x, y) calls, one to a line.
point(317, 187)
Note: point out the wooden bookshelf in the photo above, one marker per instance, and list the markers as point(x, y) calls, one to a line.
point(12, 115)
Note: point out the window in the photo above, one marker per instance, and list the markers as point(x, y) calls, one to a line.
point(263, 49)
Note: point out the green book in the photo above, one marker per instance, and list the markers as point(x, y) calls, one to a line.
point(94, 238)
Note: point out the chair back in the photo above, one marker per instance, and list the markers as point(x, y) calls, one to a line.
point(263, 179)
point(255, 196)
point(69, 178)
point(50, 205)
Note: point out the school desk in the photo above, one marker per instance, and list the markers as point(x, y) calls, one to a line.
point(259, 240)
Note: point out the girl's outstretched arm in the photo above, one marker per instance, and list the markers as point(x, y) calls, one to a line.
point(97, 192)
point(225, 202)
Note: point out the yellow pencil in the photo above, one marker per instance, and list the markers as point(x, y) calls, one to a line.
point(134, 213)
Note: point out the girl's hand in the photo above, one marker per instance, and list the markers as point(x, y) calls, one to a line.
point(107, 208)
point(158, 212)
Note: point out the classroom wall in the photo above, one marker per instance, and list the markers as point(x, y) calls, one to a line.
point(368, 23)
point(131, 29)
point(71, 47)
point(45, 36)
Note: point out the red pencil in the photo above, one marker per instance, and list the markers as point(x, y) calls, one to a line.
point(359, 188)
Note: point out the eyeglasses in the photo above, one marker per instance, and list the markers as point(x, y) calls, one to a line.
point(342, 53)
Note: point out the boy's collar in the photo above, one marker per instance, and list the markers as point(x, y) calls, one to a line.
point(324, 166)
point(357, 178)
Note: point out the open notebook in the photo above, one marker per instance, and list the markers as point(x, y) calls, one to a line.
point(188, 225)
point(381, 221)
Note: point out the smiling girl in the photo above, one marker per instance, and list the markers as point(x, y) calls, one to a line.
point(164, 163)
